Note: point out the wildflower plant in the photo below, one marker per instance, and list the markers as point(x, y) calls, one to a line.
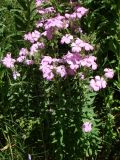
point(64, 57)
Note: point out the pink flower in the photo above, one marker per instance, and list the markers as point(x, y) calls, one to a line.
point(29, 62)
point(32, 37)
point(73, 60)
point(8, 61)
point(48, 33)
point(67, 39)
point(61, 70)
point(67, 15)
point(87, 127)
point(22, 55)
point(16, 75)
point(98, 83)
point(75, 47)
point(28, 37)
point(40, 2)
point(23, 52)
point(82, 76)
point(40, 23)
point(36, 35)
point(89, 61)
point(109, 73)
point(56, 22)
point(46, 10)
point(57, 60)
point(94, 66)
point(21, 59)
point(35, 47)
point(47, 68)
point(81, 10)
point(49, 76)
point(80, 42)
point(88, 47)
point(50, 10)
point(46, 60)
point(73, 16)
point(47, 71)
point(80, 30)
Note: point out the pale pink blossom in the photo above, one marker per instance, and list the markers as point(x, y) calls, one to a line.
point(32, 36)
point(47, 68)
point(46, 10)
point(61, 70)
point(57, 60)
point(8, 61)
point(29, 62)
point(47, 71)
point(75, 47)
point(88, 47)
point(73, 60)
point(16, 74)
point(67, 39)
point(46, 60)
point(109, 73)
point(56, 22)
point(87, 127)
point(98, 83)
point(23, 52)
point(35, 47)
point(89, 61)
point(67, 15)
point(40, 23)
point(81, 10)
point(48, 33)
point(40, 2)
point(21, 59)
point(82, 76)
point(79, 44)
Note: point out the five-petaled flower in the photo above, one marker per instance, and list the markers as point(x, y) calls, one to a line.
point(87, 127)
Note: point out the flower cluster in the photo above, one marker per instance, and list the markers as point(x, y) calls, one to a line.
point(9, 62)
point(89, 61)
point(75, 61)
point(49, 67)
point(67, 65)
point(98, 83)
point(32, 37)
point(58, 22)
point(78, 13)
point(22, 55)
point(79, 44)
